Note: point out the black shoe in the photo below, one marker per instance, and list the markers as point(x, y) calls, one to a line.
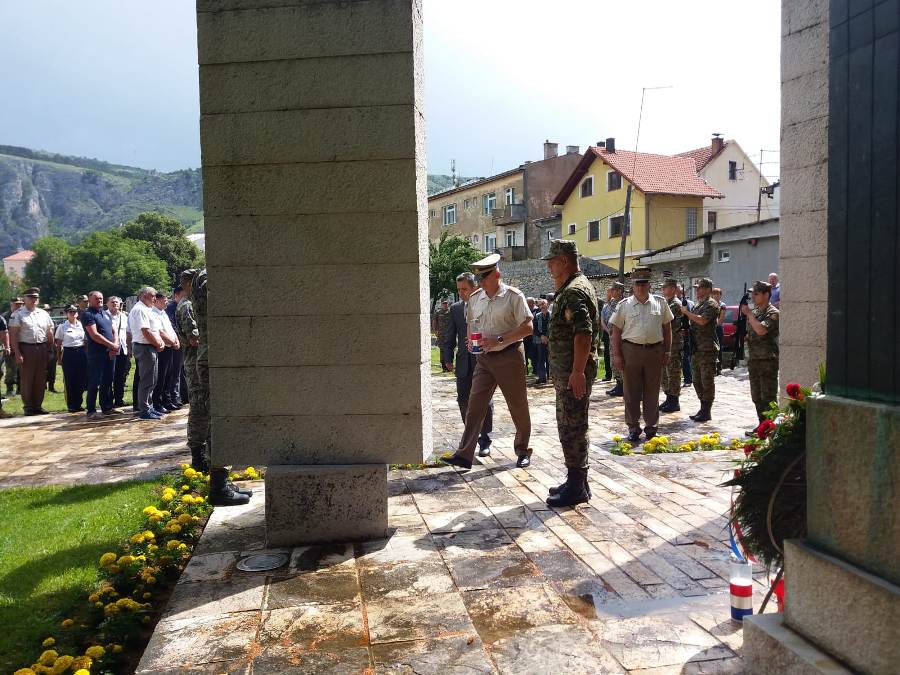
point(688, 383)
point(634, 436)
point(219, 492)
point(704, 414)
point(574, 490)
point(670, 404)
point(41, 411)
point(618, 390)
point(649, 433)
point(607, 379)
point(523, 462)
point(556, 490)
point(455, 460)
point(243, 491)
point(485, 451)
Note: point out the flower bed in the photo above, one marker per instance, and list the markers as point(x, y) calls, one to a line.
point(662, 444)
point(104, 633)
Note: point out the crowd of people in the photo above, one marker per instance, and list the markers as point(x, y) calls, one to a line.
point(651, 344)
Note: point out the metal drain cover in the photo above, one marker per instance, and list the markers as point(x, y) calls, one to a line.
point(262, 562)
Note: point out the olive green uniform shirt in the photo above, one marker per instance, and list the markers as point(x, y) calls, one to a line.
point(575, 310)
point(705, 336)
point(762, 347)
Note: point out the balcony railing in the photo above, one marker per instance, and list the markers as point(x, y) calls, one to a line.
point(511, 213)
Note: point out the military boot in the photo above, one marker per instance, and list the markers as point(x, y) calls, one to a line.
point(559, 488)
point(670, 404)
point(220, 494)
point(704, 414)
point(574, 490)
point(198, 459)
point(617, 390)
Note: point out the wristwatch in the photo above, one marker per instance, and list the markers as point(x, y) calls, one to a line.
point(499, 339)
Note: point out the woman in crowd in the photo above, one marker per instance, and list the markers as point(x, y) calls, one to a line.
point(70, 345)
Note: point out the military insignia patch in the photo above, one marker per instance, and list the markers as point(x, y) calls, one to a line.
point(569, 314)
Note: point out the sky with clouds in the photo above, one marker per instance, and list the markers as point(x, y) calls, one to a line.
point(118, 80)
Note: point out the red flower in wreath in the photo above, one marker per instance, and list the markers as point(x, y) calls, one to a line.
point(794, 391)
point(748, 449)
point(765, 428)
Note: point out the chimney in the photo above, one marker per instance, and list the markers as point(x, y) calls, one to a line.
point(610, 144)
point(573, 150)
point(550, 149)
point(717, 144)
point(601, 144)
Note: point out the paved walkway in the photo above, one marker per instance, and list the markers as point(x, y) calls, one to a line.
point(479, 576)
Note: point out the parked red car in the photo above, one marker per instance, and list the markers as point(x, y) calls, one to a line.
point(729, 328)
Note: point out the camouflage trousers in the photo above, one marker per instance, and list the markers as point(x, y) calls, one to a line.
point(572, 421)
point(198, 397)
point(11, 376)
point(670, 381)
point(763, 383)
point(703, 368)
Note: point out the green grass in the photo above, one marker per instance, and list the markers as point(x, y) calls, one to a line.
point(57, 402)
point(50, 541)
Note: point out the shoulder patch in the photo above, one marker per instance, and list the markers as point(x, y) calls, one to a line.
point(774, 316)
point(568, 314)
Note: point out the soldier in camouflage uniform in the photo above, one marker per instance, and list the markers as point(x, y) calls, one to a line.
point(618, 289)
point(189, 336)
point(11, 377)
point(221, 491)
point(671, 372)
point(703, 362)
point(762, 347)
point(574, 330)
point(441, 325)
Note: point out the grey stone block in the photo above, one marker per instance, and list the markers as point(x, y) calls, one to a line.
point(804, 143)
point(326, 339)
point(806, 324)
point(804, 51)
point(331, 82)
point(316, 290)
point(802, 281)
point(797, 15)
point(805, 97)
point(316, 390)
point(804, 189)
point(802, 235)
point(325, 238)
point(800, 363)
point(862, 633)
point(232, 5)
point(323, 187)
point(308, 505)
point(303, 31)
point(771, 648)
point(298, 136)
point(852, 485)
point(322, 439)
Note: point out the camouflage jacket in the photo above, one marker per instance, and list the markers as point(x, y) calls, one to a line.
point(761, 347)
point(705, 336)
point(441, 322)
point(677, 336)
point(185, 321)
point(199, 298)
point(575, 311)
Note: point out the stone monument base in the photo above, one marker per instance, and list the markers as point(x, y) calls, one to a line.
point(330, 502)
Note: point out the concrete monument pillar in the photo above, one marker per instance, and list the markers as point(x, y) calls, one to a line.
point(842, 582)
point(312, 137)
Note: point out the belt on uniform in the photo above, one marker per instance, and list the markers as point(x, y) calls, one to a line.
point(512, 345)
point(636, 344)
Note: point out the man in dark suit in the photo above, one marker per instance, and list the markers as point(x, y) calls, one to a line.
point(456, 338)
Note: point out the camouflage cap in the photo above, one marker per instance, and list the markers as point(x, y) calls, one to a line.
point(705, 282)
point(669, 281)
point(762, 287)
point(190, 274)
point(641, 274)
point(561, 247)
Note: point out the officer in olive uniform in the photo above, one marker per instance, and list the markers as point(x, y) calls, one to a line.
point(221, 491)
point(11, 377)
point(703, 362)
point(762, 347)
point(671, 372)
point(618, 290)
point(574, 331)
point(189, 337)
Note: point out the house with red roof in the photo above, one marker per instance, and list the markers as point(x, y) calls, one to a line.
point(667, 202)
point(14, 265)
point(749, 196)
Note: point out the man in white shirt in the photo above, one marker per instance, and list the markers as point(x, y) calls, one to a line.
point(31, 339)
point(161, 403)
point(501, 315)
point(123, 358)
point(144, 326)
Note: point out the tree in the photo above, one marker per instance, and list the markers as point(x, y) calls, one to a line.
point(50, 269)
point(448, 258)
point(116, 265)
point(7, 290)
point(168, 239)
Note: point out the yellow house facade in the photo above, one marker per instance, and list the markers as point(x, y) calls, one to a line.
point(666, 203)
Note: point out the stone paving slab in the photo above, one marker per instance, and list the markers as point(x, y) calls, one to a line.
point(478, 574)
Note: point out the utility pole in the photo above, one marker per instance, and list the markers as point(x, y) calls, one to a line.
point(760, 187)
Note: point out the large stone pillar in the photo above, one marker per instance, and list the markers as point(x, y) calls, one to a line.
point(843, 582)
point(312, 136)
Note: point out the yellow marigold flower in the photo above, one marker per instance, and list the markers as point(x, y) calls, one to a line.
point(125, 560)
point(149, 510)
point(174, 528)
point(82, 671)
point(155, 518)
point(49, 642)
point(107, 559)
point(147, 534)
point(190, 472)
point(152, 548)
point(82, 662)
point(182, 547)
point(617, 438)
point(179, 508)
point(184, 518)
point(137, 539)
point(199, 500)
point(172, 544)
point(187, 499)
point(115, 649)
point(166, 498)
point(67, 623)
point(114, 569)
point(150, 580)
point(63, 663)
point(251, 473)
point(48, 657)
point(113, 594)
point(93, 597)
point(195, 519)
point(98, 604)
point(95, 652)
point(24, 671)
point(185, 488)
point(147, 596)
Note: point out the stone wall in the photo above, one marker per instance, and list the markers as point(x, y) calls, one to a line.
point(804, 181)
point(533, 279)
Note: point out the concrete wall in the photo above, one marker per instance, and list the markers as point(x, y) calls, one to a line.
point(804, 192)
point(312, 138)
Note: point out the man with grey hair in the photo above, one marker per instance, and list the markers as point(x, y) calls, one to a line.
point(775, 300)
point(456, 338)
point(144, 326)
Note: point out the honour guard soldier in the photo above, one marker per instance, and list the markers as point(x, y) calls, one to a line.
point(762, 347)
point(671, 373)
point(703, 362)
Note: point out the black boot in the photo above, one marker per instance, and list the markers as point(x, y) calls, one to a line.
point(219, 492)
point(574, 491)
point(704, 414)
point(617, 390)
point(198, 459)
point(669, 405)
point(559, 488)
